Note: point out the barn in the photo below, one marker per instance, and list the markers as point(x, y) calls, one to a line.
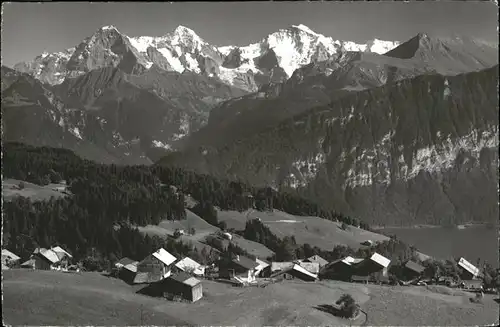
point(179, 284)
point(341, 269)
point(42, 259)
point(376, 266)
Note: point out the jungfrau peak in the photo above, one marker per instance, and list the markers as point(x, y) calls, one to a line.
point(274, 58)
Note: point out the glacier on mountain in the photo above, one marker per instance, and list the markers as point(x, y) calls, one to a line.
point(184, 50)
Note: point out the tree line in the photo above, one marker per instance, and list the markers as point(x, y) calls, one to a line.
point(107, 201)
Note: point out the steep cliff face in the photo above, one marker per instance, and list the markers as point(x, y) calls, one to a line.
point(343, 73)
point(34, 114)
point(421, 150)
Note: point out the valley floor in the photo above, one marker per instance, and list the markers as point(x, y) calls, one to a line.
point(55, 298)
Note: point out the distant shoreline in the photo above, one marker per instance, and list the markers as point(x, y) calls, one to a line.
point(421, 226)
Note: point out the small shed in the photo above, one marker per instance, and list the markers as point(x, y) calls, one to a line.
point(185, 285)
point(474, 284)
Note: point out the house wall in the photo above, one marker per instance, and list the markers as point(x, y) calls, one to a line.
point(197, 292)
point(154, 266)
point(126, 275)
point(41, 263)
point(187, 292)
point(230, 269)
point(410, 274)
point(466, 275)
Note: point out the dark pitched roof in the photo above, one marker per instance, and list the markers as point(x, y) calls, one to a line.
point(185, 279)
point(245, 262)
point(147, 277)
point(412, 265)
point(180, 276)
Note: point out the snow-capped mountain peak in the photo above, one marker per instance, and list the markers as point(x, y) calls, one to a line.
point(304, 28)
point(186, 31)
point(278, 54)
point(109, 27)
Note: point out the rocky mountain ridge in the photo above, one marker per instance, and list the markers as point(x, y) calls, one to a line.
point(274, 58)
point(320, 83)
point(420, 150)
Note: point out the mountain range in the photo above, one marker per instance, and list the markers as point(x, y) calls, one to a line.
point(390, 132)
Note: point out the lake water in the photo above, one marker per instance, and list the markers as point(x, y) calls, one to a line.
point(443, 243)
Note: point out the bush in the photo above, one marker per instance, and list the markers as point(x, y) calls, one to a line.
point(349, 308)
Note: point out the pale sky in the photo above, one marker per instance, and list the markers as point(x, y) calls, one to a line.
point(28, 29)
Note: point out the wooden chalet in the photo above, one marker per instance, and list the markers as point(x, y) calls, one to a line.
point(312, 267)
point(341, 269)
point(297, 271)
point(43, 259)
point(9, 259)
point(317, 259)
point(376, 266)
point(154, 267)
point(190, 266)
point(240, 268)
point(412, 270)
point(468, 270)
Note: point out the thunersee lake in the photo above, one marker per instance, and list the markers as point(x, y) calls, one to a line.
point(444, 243)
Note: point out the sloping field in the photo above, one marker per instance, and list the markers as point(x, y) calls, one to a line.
point(168, 227)
point(418, 306)
point(202, 229)
point(257, 249)
point(40, 298)
point(35, 192)
point(55, 298)
point(313, 230)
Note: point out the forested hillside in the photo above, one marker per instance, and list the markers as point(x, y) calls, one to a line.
point(419, 151)
point(107, 200)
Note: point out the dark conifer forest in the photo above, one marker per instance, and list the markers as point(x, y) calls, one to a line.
point(97, 220)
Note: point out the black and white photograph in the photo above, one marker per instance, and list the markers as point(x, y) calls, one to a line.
point(275, 163)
